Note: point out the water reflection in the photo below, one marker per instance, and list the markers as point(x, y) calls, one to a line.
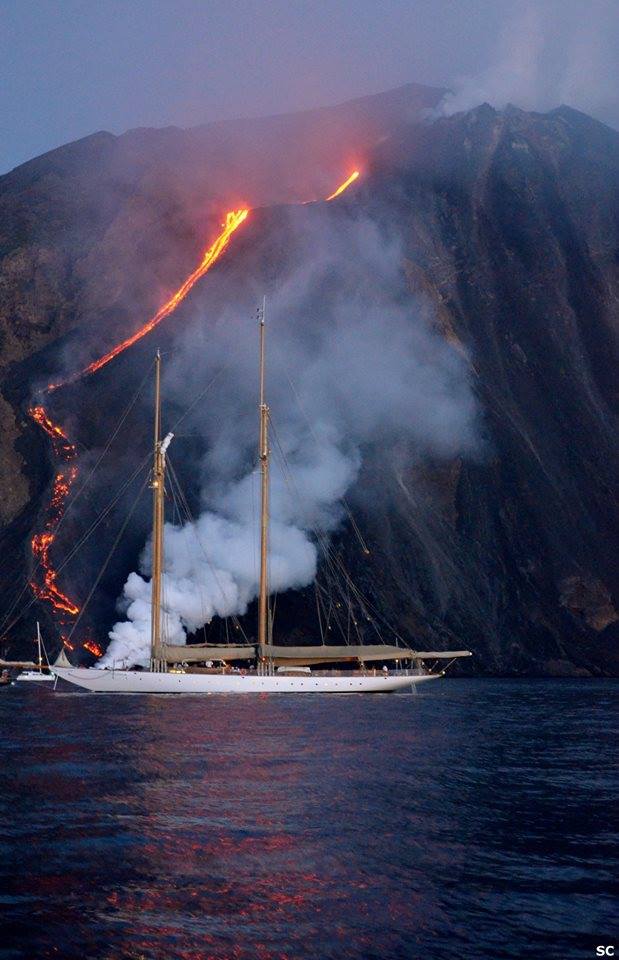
point(448, 823)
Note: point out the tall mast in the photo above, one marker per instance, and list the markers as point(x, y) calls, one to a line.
point(39, 647)
point(158, 492)
point(263, 612)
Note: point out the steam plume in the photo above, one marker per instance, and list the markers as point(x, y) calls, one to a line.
point(548, 54)
point(366, 371)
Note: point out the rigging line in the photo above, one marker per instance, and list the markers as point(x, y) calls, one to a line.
point(343, 500)
point(291, 484)
point(254, 524)
point(326, 613)
point(334, 563)
point(318, 616)
point(273, 606)
point(336, 607)
point(330, 556)
point(83, 539)
point(319, 534)
point(363, 600)
point(45, 651)
point(108, 558)
point(113, 436)
point(104, 513)
point(183, 516)
point(323, 592)
point(78, 492)
point(233, 617)
point(11, 610)
point(80, 543)
point(200, 396)
point(327, 550)
point(163, 609)
point(348, 614)
point(336, 589)
point(339, 578)
point(331, 608)
point(174, 479)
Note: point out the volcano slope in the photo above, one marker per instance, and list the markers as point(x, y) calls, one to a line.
point(508, 226)
point(511, 226)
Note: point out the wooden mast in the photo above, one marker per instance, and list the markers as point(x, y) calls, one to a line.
point(158, 493)
point(263, 612)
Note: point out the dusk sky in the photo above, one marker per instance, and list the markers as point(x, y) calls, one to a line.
point(71, 67)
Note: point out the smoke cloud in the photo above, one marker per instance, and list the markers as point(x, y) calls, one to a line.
point(351, 366)
point(548, 54)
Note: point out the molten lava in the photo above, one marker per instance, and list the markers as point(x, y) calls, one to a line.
point(66, 451)
point(42, 542)
point(234, 219)
point(93, 648)
point(344, 186)
point(62, 445)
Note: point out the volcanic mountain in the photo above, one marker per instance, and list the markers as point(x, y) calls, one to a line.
point(507, 223)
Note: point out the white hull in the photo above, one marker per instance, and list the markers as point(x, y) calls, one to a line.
point(136, 681)
point(33, 676)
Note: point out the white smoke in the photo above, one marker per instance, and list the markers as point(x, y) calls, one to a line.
point(549, 53)
point(365, 369)
point(211, 565)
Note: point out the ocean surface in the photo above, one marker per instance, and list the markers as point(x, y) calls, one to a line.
point(476, 819)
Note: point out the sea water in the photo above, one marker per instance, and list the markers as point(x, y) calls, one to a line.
point(475, 819)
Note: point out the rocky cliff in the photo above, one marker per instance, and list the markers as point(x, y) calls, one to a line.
point(508, 226)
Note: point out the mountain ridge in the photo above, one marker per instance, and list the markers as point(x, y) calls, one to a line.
point(509, 227)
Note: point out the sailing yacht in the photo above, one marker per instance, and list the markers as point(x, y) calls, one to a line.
point(267, 667)
point(41, 674)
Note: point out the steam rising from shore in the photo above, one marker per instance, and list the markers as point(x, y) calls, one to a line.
point(365, 370)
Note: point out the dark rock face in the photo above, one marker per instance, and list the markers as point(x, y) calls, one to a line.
point(513, 235)
point(509, 225)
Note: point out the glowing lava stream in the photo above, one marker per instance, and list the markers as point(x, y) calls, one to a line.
point(42, 542)
point(64, 449)
point(93, 648)
point(234, 219)
point(344, 186)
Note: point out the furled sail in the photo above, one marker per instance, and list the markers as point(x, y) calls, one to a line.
point(197, 652)
point(441, 654)
point(302, 656)
point(306, 656)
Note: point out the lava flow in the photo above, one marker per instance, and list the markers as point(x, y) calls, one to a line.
point(344, 186)
point(93, 648)
point(42, 542)
point(234, 219)
point(66, 451)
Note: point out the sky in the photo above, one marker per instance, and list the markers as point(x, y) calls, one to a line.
point(72, 67)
